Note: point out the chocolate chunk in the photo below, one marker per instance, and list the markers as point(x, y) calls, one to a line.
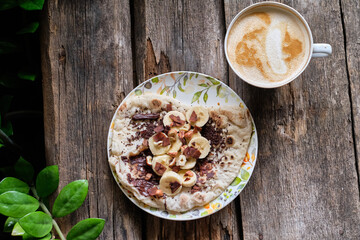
point(212, 134)
point(193, 117)
point(192, 152)
point(169, 107)
point(177, 122)
point(159, 168)
point(175, 168)
point(174, 186)
point(149, 129)
point(195, 189)
point(159, 128)
point(162, 137)
point(166, 142)
point(144, 116)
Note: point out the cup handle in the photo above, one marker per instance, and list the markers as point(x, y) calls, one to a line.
point(321, 50)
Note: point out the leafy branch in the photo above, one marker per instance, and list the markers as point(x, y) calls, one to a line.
point(28, 215)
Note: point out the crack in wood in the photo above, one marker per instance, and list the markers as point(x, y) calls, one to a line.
point(350, 98)
point(152, 67)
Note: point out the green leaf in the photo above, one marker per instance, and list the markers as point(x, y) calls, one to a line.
point(17, 230)
point(164, 89)
point(203, 85)
point(47, 181)
point(241, 186)
point(10, 80)
point(26, 75)
point(185, 79)
point(13, 184)
point(31, 4)
point(205, 97)
point(87, 229)
point(174, 94)
point(7, 4)
point(218, 88)
point(138, 92)
point(236, 181)
point(70, 198)
point(10, 223)
point(16, 204)
point(244, 174)
point(7, 129)
point(196, 75)
point(204, 213)
point(1, 145)
point(7, 47)
point(27, 236)
point(196, 96)
point(155, 80)
point(213, 80)
point(180, 88)
point(37, 224)
point(191, 75)
point(30, 28)
point(24, 170)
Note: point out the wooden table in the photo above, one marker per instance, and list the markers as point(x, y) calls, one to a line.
point(306, 182)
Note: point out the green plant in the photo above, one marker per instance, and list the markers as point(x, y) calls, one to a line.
point(24, 203)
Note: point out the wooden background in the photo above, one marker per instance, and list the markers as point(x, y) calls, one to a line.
point(306, 182)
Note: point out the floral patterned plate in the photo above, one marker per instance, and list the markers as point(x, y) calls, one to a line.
point(196, 88)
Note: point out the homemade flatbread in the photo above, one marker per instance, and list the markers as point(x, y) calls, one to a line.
point(174, 156)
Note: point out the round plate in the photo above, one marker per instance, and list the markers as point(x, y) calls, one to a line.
point(196, 89)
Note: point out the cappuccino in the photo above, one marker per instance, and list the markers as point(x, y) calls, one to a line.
point(268, 44)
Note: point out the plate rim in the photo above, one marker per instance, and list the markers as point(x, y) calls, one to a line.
point(125, 190)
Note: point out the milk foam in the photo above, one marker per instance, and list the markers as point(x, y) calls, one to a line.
point(269, 44)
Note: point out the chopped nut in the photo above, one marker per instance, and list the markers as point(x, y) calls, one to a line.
point(172, 154)
point(189, 173)
point(193, 117)
point(177, 122)
point(159, 193)
point(172, 132)
point(148, 176)
point(172, 162)
point(159, 128)
point(148, 160)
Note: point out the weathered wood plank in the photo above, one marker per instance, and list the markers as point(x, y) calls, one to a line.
point(87, 70)
point(351, 22)
point(305, 183)
point(183, 35)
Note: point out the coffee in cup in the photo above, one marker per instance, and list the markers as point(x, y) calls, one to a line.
point(269, 44)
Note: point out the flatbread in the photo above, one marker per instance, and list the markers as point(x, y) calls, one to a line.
point(228, 130)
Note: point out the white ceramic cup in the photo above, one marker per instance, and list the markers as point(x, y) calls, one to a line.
point(315, 49)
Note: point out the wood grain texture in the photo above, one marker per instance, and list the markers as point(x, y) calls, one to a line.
point(87, 70)
point(351, 22)
point(305, 183)
point(183, 35)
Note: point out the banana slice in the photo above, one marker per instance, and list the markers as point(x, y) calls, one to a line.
point(201, 144)
point(156, 147)
point(180, 160)
point(190, 163)
point(175, 145)
point(185, 127)
point(171, 183)
point(160, 164)
point(174, 119)
point(197, 115)
point(189, 178)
